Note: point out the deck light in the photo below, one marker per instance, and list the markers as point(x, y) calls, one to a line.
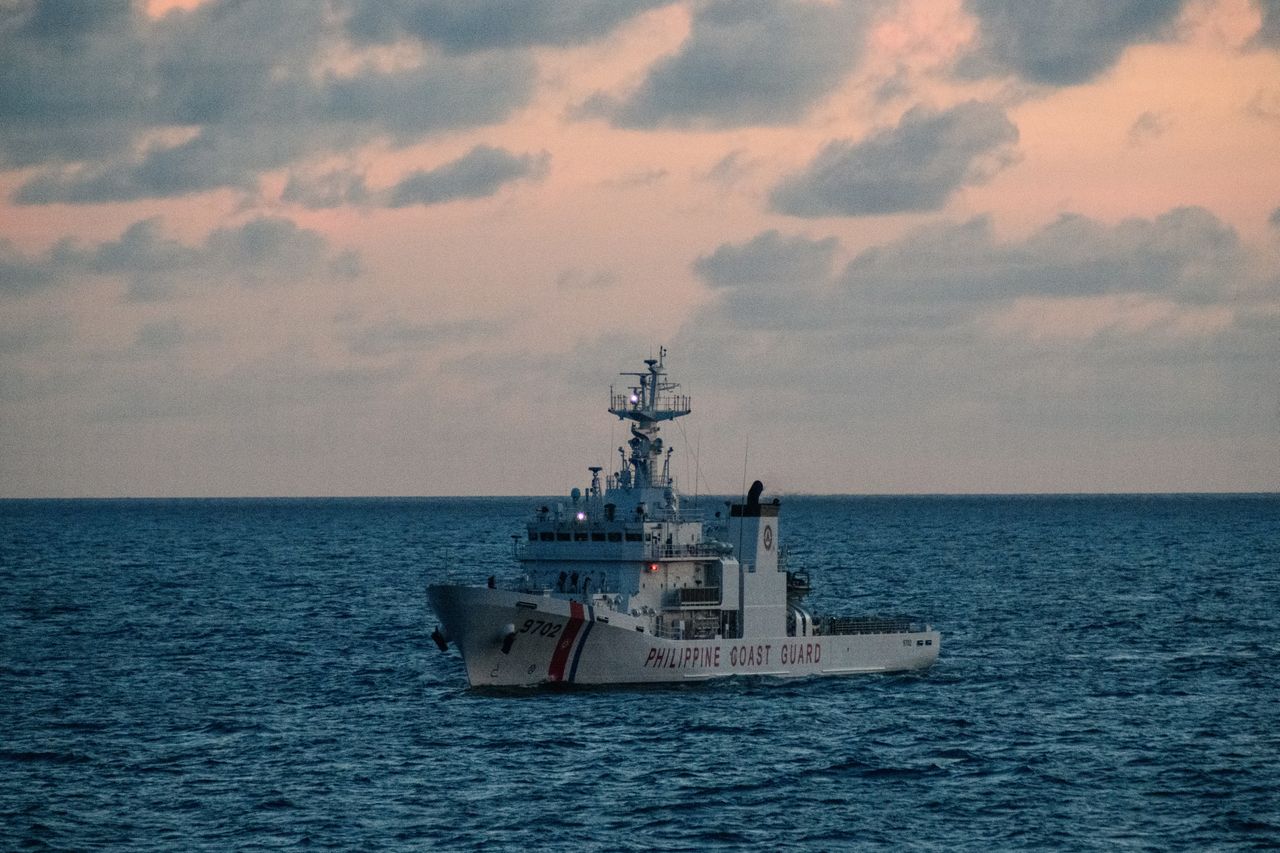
point(582, 516)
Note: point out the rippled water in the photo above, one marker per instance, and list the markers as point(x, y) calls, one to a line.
point(256, 674)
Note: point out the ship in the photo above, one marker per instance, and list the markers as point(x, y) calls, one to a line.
point(627, 582)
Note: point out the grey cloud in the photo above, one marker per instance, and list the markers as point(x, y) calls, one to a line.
point(402, 107)
point(20, 274)
point(88, 88)
point(395, 335)
point(346, 265)
point(729, 169)
point(34, 336)
point(1187, 253)
point(72, 77)
point(1063, 42)
point(234, 62)
point(66, 21)
point(1274, 218)
point(640, 178)
point(772, 281)
point(479, 173)
point(253, 392)
point(576, 278)
point(259, 252)
point(1264, 105)
point(468, 25)
point(443, 94)
point(331, 189)
point(746, 62)
point(941, 276)
point(768, 259)
point(269, 250)
point(935, 344)
point(1148, 126)
point(141, 249)
point(159, 337)
point(894, 86)
point(161, 173)
point(1268, 34)
point(912, 167)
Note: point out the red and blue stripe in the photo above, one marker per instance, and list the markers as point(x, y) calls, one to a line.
point(571, 642)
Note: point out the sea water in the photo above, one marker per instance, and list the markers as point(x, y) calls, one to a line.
point(258, 674)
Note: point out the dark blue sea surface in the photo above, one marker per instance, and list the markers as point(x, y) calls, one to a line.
point(257, 674)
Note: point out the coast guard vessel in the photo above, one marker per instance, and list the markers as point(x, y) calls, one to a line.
point(620, 584)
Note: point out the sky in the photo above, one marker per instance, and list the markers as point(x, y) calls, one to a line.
point(405, 247)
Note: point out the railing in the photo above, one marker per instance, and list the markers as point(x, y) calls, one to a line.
point(658, 551)
point(565, 516)
point(664, 403)
point(692, 629)
point(614, 550)
point(694, 596)
point(837, 625)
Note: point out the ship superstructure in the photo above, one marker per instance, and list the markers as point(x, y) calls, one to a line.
point(620, 584)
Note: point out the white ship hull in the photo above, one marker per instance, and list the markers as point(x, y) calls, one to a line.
point(551, 640)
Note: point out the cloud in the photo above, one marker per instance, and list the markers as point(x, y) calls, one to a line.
point(1264, 105)
point(768, 259)
point(746, 62)
point(1148, 126)
point(578, 279)
point(442, 94)
point(260, 392)
point(162, 172)
point(334, 188)
point(116, 106)
point(1064, 42)
point(1268, 35)
point(396, 335)
point(1185, 253)
point(639, 178)
point(1274, 218)
point(944, 275)
point(470, 25)
point(912, 167)
point(730, 168)
point(771, 281)
point(261, 252)
point(1077, 357)
point(34, 335)
point(273, 250)
point(480, 172)
point(1116, 316)
point(160, 337)
point(141, 251)
point(72, 78)
point(20, 274)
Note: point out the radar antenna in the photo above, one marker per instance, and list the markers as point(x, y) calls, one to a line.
point(647, 403)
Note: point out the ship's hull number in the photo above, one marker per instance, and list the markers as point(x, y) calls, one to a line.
point(544, 629)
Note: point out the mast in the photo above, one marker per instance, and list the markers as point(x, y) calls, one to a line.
point(649, 402)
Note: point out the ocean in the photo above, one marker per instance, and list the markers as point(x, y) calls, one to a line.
point(258, 675)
